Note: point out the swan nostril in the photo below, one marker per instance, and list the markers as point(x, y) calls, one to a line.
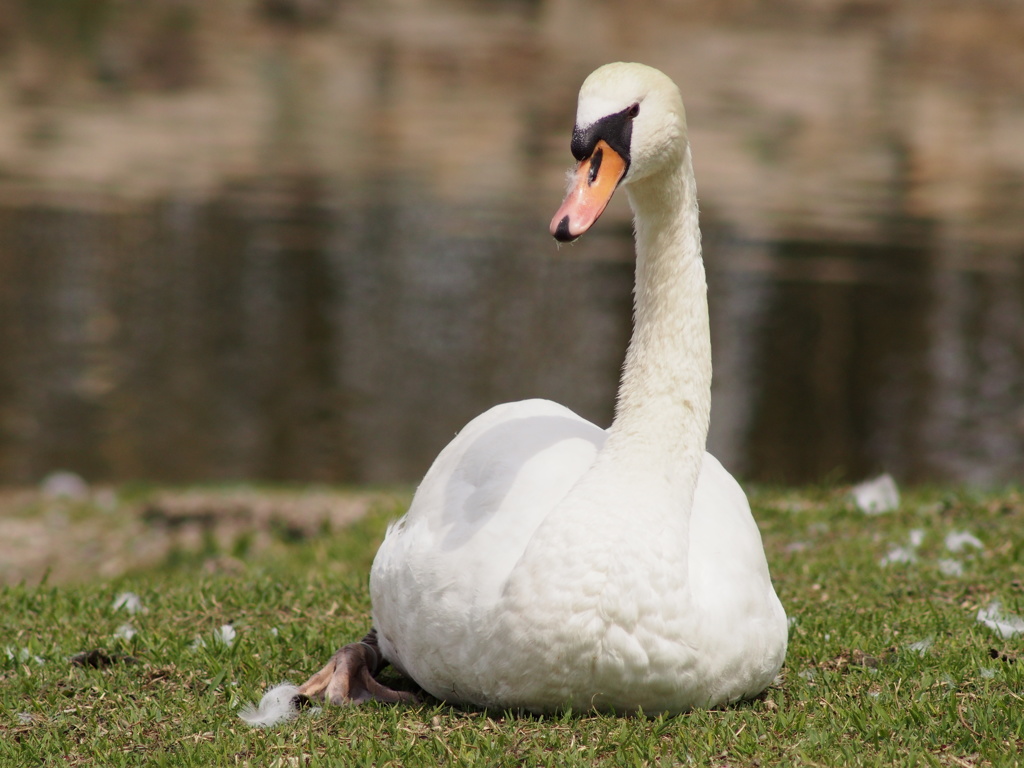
point(595, 166)
point(562, 233)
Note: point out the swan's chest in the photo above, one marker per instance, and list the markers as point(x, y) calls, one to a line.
point(611, 602)
point(625, 584)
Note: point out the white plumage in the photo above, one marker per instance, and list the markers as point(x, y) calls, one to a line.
point(276, 706)
point(546, 562)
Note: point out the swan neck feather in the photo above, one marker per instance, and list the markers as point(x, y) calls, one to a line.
point(664, 402)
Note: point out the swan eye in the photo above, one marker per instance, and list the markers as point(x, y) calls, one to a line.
point(634, 110)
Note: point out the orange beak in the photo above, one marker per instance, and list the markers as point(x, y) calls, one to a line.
point(593, 184)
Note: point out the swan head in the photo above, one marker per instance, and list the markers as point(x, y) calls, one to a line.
point(630, 124)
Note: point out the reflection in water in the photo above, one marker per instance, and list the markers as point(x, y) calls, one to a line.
point(295, 342)
point(307, 241)
point(872, 358)
point(287, 332)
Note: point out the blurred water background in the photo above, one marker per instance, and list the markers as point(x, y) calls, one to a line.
point(306, 240)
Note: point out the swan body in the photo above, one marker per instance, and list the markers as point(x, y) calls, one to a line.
point(548, 563)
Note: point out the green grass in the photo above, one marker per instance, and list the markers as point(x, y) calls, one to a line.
point(853, 691)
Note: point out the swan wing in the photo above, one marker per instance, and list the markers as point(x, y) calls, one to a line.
point(447, 560)
point(743, 619)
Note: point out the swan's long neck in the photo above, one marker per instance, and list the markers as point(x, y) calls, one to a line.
point(664, 403)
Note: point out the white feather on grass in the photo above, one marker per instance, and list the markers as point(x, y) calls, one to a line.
point(950, 567)
point(276, 706)
point(921, 646)
point(225, 635)
point(876, 496)
point(1006, 625)
point(130, 602)
point(957, 540)
point(907, 554)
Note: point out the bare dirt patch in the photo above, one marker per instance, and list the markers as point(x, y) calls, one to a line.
point(95, 534)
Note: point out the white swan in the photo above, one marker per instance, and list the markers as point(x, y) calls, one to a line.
point(547, 563)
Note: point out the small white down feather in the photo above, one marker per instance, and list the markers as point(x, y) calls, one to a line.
point(276, 706)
